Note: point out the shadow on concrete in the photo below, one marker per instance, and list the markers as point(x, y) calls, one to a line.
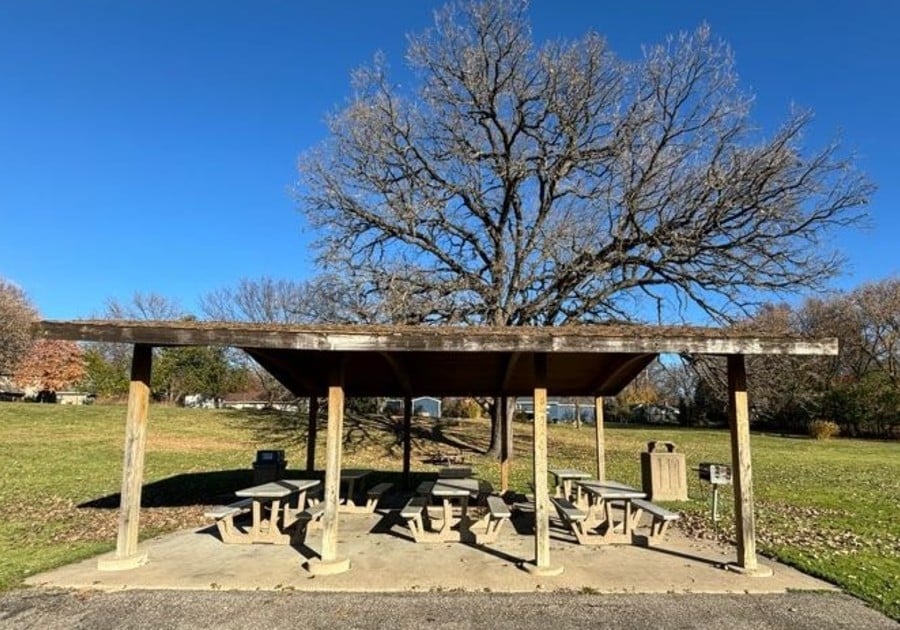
point(680, 554)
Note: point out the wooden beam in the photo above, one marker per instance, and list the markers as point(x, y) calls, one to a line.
point(330, 563)
point(601, 444)
point(739, 424)
point(542, 564)
point(127, 555)
point(407, 439)
point(331, 338)
point(621, 371)
point(311, 433)
point(278, 365)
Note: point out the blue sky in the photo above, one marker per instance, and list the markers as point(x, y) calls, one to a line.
point(151, 146)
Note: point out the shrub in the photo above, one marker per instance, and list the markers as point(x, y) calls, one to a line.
point(461, 408)
point(823, 429)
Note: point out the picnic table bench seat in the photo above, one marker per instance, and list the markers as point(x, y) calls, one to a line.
point(497, 514)
point(224, 516)
point(373, 494)
point(574, 519)
point(661, 517)
point(312, 515)
point(412, 513)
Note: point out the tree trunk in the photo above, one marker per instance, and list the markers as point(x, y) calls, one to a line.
point(496, 434)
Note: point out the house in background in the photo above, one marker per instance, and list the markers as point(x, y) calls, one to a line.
point(254, 400)
point(425, 406)
point(74, 398)
point(8, 392)
point(558, 411)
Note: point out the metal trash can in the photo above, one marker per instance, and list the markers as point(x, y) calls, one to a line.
point(663, 472)
point(269, 466)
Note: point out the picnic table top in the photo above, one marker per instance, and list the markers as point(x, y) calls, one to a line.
point(568, 473)
point(355, 473)
point(455, 472)
point(277, 489)
point(454, 487)
point(611, 490)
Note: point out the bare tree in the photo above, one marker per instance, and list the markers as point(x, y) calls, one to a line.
point(859, 388)
point(110, 363)
point(260, 300)
point(144, 306)
point(876, 306)
point(783, 390)
point(257, 300)
point(16, 316)
point(519, 184)
point(328, 298)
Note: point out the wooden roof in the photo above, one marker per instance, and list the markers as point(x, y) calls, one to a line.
point(445, 360)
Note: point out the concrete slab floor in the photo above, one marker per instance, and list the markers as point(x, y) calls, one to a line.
point(384, 558)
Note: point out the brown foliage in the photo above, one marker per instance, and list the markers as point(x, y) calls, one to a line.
point(51, 364)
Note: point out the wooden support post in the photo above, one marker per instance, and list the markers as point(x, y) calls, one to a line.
point(330, 563)
point(541, 495)
point(505, 445)
point(739, 423)
point(311, 433)
point(601, 444)
point(407, 440)
point(127, 555)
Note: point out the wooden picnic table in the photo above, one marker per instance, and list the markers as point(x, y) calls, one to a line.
point(449, 490)
point(600, 497)
point(349, 478)
point(275, 498)
point(563, 480)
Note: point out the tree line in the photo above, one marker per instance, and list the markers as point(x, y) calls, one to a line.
point(859, 389)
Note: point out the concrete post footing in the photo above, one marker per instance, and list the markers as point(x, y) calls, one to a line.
point(114, 563)
point(328, 567)
point(760, 570)
point(533, 569)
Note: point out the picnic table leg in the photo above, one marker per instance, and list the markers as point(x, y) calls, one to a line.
point(613, 529)
point(595, 510)
point(256, 527)
point(291, 513)
point(273, 532)
point(448, 515)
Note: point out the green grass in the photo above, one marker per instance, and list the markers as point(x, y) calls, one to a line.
point(830, 508)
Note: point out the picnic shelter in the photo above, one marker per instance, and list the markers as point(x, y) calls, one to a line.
point(337, 361)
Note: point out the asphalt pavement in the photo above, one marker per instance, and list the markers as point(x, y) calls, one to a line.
point(197, 610)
